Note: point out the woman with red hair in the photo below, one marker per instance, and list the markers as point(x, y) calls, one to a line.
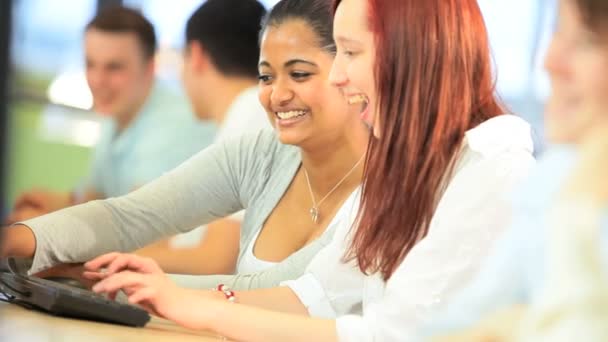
point(433, 197)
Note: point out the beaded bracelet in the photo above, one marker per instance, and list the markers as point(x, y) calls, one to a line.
point(230, 296)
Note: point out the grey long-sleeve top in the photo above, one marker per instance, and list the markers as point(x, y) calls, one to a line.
point(251, 172)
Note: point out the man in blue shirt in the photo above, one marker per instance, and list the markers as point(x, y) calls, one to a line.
point(144, 132)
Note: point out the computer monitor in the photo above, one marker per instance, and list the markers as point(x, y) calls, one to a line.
point(5, 38)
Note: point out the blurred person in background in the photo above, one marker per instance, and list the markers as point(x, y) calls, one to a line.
point(550, 268)
point(143, 134)
point(220, 76)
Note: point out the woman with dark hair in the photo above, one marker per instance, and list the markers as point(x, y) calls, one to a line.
point(441, 162)
point(298, 182)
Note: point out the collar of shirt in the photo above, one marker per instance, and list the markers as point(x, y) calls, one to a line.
point(120, 142)
point(499, 134)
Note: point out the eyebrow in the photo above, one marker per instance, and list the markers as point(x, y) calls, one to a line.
point(288, 63)
point(343, 39)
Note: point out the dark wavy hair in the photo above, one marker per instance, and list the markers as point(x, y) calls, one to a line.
point(317, 14)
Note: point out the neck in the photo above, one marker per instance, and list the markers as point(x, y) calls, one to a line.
point(328, 163)
point(222, 100)
point(124, 120)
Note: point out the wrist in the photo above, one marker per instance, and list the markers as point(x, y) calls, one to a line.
point(219, 310)
point(190, 315)
point(18, 241)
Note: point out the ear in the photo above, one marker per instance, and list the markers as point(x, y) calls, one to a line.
point(199, 59)
point(151, 66)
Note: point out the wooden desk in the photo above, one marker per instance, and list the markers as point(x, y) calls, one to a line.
point(19, 324)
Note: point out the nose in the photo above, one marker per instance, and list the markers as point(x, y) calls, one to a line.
point(337, 76)
point(95, 78)
point(281, 94)
point(555, 59)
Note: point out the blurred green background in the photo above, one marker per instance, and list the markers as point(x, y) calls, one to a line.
point(34, 162)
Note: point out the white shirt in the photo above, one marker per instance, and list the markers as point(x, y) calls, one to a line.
point(245, 114)
point(249, 263)
point(471, 214)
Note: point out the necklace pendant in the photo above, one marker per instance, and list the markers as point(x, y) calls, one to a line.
point(314, 214)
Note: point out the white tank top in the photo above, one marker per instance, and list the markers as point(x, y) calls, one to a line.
point(249, 263)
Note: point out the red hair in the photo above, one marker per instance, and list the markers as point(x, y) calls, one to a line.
point(434, 82)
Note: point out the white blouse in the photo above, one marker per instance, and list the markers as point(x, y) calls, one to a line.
point(471, 214)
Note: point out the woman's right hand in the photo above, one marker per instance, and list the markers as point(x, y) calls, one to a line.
point(110, 264)
point(145, 284)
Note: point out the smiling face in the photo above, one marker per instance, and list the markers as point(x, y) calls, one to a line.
point(118, 74)
point(294, 88)
point(577, 62)
point(353, 68)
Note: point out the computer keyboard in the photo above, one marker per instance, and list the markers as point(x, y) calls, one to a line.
point(72, 290)
point(69, 301)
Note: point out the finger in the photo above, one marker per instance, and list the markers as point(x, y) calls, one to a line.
point(101, 261)
point(129, 290)
point(30, 199)
point(22, 201)
point(124, 262)
point(120, 262)
point(145, 294)
point(133, 263)
point(60, 270)
point(94, 276)
point(119, 281)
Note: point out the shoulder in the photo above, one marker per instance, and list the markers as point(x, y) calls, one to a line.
point(261, 144)
point(259, 155)
point(498, 147)
point(499, 134)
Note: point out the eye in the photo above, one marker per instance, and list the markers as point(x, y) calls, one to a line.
point(299, 75)
point(346, 52)
point(264, 79)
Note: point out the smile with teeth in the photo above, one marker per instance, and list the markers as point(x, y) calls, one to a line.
point(291, 114)
point(359, 98)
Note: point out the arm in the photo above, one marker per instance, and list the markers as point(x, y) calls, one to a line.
point(39, 202)
point(202, 189)
point(217, 252)
point(146, 285)
point(497, 285)
point(471, 215)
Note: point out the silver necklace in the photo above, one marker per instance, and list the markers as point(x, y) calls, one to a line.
point(314, 210)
